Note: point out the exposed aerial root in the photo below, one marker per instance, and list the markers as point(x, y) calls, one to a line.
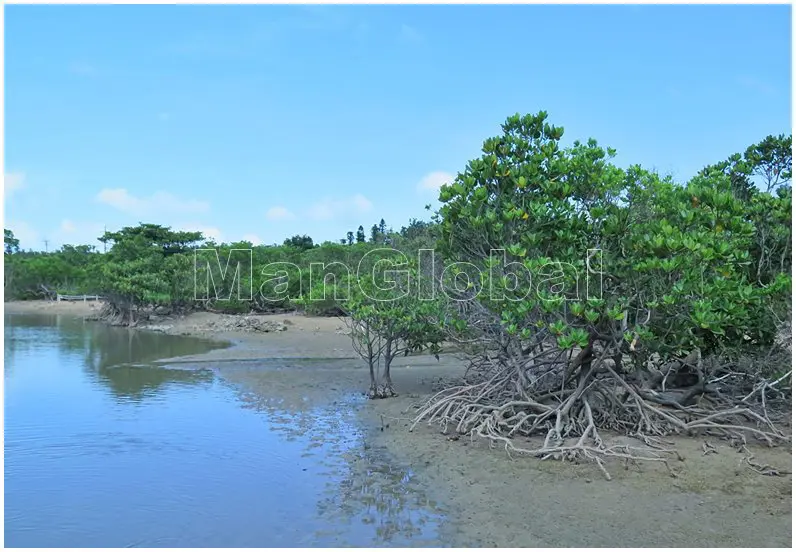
point(568, 410)
point(118, 315)
point(762, 469)
point(385, 391)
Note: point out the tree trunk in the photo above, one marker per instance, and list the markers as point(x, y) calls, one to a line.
point(373, 393)
point(387, 389)
point(374, 387)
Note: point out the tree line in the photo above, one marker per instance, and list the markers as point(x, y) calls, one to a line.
point(143, 264)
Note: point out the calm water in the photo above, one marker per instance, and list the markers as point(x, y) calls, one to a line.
point(103, 449)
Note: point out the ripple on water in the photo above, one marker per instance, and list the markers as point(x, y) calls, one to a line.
point(99, 452)
point(369, 500)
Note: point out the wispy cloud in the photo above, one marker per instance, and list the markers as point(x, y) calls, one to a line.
point(433, 181)
point(317, 17)
point(157, 203)
point(248, 40)
point(209, 232)
point(253, 239)
point(410, 35)
point(216, 45)
point(82, 68)
point(279, 213)
point(13, 182)
point(79, 232)
point(361, 30)
point(756, 84)
point(329, 209)
point(674, 92)
point(29, 237)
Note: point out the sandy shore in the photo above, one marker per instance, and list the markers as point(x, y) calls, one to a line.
point(74, 308)
point(488, 498)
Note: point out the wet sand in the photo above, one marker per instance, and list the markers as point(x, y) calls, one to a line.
point(489, 499)
point(492, 500)
point(72, 308)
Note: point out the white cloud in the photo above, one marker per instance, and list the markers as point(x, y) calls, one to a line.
point(159, 202)
point(410, 35)
point(209, 232)
point(753, 83)
point(28, 237)
point(254, 239)
point(361, 203)
point(433, 181)
point(674, 92)
point(361, 31)
point(279, 213)
point(333, 208)
point(82, 68)
point(13, 182)
point(78, 233)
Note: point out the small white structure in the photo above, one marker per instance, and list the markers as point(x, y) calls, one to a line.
point(83, 298)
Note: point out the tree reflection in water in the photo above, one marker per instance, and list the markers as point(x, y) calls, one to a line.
point(364, 487)
point(117, 357)
point(362, 499)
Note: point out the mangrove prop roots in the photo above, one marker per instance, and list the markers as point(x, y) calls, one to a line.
point(567, 404)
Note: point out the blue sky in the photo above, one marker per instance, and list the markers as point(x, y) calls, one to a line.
point(261, 122)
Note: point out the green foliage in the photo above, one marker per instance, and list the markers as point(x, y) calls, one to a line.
point(300, 242)
point(771, 160)
point(684, 266)
point(32, 275)
point(10, 243)
point(384, 316)
point(391, 305)
point(148, 266)
point(416, 236)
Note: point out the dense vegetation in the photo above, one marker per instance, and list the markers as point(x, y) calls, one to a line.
point(692, 277)
point(149, 267)
point(589, 296)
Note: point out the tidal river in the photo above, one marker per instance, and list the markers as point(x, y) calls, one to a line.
point(105, 448)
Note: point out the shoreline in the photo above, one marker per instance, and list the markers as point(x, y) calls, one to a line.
point(489, 499)
point(41, 306)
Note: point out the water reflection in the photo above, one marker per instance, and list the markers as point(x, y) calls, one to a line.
point(364, 487)
point(116, 357)
point(101, 451)
point(389, 498)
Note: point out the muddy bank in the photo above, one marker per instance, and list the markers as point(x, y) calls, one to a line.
point(252, 337)
point(302, 394)
point(71, 308)
point(285, 336)
point(715, 500)
point(489, 499)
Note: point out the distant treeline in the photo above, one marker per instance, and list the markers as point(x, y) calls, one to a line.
point(153, 266)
